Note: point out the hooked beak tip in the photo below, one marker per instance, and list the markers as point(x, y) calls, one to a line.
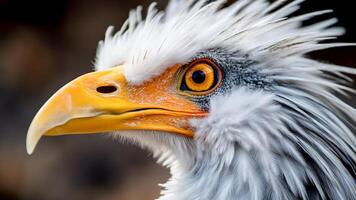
point(33, 137)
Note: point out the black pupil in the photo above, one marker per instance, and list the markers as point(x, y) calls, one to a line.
point(198, 76)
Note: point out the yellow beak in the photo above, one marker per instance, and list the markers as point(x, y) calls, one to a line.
point(104, 102)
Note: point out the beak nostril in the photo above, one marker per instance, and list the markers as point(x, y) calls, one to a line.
point(106, 89)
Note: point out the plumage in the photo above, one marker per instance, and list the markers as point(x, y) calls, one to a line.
point(276, 127)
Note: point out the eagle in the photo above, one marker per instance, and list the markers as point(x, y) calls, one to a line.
point(224, 95)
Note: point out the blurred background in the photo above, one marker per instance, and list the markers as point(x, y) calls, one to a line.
point(45, 44)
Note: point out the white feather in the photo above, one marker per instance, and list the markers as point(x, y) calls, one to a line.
point(146, 47)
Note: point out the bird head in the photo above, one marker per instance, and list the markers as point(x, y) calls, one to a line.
point(228, 87)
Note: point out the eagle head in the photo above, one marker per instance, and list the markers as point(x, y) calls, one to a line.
point(225, 96)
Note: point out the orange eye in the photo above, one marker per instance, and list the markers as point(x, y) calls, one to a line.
point(200, 77)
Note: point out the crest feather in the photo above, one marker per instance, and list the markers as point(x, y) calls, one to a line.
point(147, 46)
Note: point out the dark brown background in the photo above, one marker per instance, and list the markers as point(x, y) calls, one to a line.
point(43, 45)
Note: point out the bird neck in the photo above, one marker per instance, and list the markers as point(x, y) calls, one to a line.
point(201, 177)
point(229, 175)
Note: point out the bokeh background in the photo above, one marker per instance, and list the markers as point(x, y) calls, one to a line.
point(45, 44)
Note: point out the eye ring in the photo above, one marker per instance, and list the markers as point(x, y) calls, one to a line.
point(200, 77)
